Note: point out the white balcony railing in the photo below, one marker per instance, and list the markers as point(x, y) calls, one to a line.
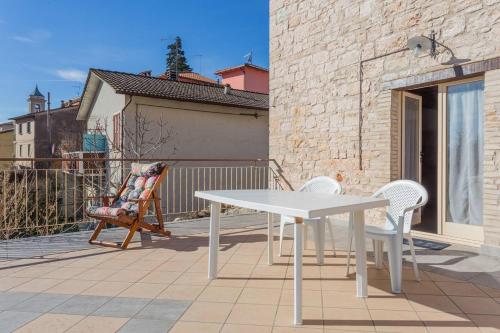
point(42, 201)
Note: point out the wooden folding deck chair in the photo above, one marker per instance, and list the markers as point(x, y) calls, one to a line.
point(129, 206)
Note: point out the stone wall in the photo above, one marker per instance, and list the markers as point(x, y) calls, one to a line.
point(492, 163)
point(315, 50)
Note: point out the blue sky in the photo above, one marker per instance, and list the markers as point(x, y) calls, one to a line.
point(54, 43)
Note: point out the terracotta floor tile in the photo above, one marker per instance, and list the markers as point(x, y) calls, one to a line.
point(409, 274)
point(106, 288)
point(440, 322)
point(260, 296)
point(8, 282)
point(441, 278)
point(492, 292)
point(252, 314)
point(271, 283)
point(236, 328)
point(377, 274)
point(98, 324)
point(237, 269)
point(234, 281)
point(127, 275)
point(397, 321)
point(143, 290)
point(433, 303)
point(201, 267)
point(37, 285)
point(33, 272)
point(347, 319)
point(309, 298)
point(421, 288)
point(210, 312)
point(379, 287)
point(64, 273)
point(487, 323)
point(95, 274)
point(53, 323)
point(192, 327)
point(393, 302)
point(280, 329)
point(339, 299)
point(71, 287)
point(194, 279)
point(269, 271)
point(477, 305)
point(160, 277)
point(311, 316)
point(220, 294)
point(145, 265)
point(460, 289)
point(174, 266)
point(181, 292)
point(244, 259)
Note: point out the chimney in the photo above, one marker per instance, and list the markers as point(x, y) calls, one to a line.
point(145, 73)
point(172, 75)
point(227, 89)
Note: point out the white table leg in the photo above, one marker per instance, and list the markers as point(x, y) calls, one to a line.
point(214, 239)
point(359, 237)
point(297, 262)
point(322, 230)
point(270, 238)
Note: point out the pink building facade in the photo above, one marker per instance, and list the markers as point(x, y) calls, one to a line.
point(246, 77)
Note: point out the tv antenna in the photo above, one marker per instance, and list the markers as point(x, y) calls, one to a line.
point(199, 56)
point(248, 57)
point(78, 88)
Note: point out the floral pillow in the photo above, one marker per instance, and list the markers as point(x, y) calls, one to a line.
point(139, 186)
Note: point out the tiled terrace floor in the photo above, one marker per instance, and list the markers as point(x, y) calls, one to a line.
point(162, 285)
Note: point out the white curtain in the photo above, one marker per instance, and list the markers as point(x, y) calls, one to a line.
point(465, 153)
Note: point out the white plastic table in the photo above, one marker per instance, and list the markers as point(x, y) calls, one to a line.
point(300, 205)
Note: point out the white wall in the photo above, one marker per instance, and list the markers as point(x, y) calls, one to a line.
point(106, 104)
point(203, 130)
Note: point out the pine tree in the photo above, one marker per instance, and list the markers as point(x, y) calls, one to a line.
point(176, 61)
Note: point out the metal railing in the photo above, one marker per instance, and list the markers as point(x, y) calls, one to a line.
point(42, 201)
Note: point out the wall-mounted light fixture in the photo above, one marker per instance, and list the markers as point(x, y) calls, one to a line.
point(421, 44)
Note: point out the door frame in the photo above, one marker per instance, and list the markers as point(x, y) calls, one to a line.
point(463, 231)
point(403, 134)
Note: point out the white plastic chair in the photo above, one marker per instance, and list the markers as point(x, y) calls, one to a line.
point(321, 184)
point(405, 196)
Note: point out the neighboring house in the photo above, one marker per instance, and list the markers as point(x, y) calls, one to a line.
point(349, 99)
point(188, 77)
point(6, 144)
point(201, 121)
point(42, 134)
point(246, 77)
point(204, 121)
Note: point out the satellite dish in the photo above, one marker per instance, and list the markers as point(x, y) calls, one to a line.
point(418, 44)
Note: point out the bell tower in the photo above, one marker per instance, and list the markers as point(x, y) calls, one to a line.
point(36, 101)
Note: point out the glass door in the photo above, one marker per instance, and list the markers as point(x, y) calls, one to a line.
point(463, 146)
point(412, 141)
point(412, 136)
